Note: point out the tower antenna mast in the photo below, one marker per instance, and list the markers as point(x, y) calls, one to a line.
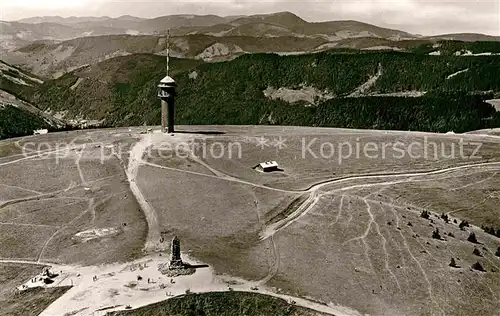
point(168, 49)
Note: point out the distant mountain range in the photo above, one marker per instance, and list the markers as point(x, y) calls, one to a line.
point(16, 34)
point(51, 59)
point(75, 20)
point(52, 46)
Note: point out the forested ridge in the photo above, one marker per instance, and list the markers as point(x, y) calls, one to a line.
point(123, 91)
point(15, 122)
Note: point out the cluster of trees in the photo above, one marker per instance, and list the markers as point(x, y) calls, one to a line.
point(445, 218)
point(15, 122)
point(20, 91)
point(491, 231)
point(218, 304)
point(121, 90)
point(24, 92)
point(472, 238)
point(430, 73)
point(425, 214)
point(463, 224)
point(477, 252)
point(436, 234)
point(451, 47)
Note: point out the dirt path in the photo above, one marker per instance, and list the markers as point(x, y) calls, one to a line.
point(135, 161)
point(275, 265)
point(19, 188)
point(24, 262)
point(224, 177)
point(314, 196)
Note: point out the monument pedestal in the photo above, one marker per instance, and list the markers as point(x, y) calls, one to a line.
point(176, 266)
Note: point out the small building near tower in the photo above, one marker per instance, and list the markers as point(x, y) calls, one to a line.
point(267, 166)
point(40, 131)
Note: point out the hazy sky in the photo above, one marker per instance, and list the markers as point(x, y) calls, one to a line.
point(415, 16)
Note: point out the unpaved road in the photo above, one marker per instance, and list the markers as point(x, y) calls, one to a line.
point(314, 196)
point(135, 160)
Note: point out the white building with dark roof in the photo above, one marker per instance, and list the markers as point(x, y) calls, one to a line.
point(267, 166)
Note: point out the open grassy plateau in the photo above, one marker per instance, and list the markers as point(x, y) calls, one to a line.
point(355, 222)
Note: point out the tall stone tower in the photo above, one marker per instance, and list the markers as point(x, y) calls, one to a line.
point(175, 257)
point(167, 93)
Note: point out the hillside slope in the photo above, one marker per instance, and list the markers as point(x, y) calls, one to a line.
point(52, 49)
point(110, 89)
point(15, 35)
point(53, 60)
point(18, 82)
point(48, 59)
point(18, 117)
point(289, 90)
point(289, 24)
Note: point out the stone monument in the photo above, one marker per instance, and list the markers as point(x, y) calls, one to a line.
point(176, 267)
point(175, 256)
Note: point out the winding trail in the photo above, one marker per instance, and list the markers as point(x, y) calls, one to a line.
point(365, 234)
point(29, 225)
point(275, 266)
point(225, 177)
point(422, 270)
point(314, 196)
point(384, 247)
point(20, 188)
point(135, 161)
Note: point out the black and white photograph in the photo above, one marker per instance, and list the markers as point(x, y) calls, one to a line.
point(249, 158)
